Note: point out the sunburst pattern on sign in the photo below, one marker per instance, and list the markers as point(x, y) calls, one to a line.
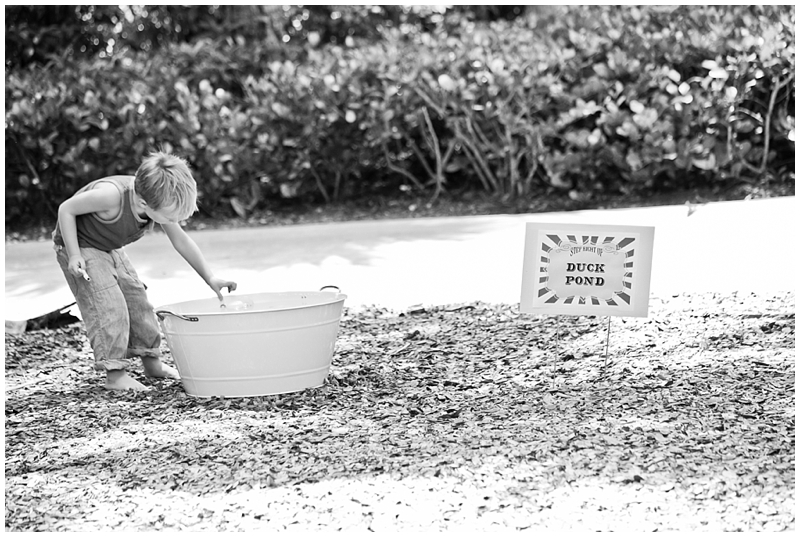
point(614, 244)
point(587, 269)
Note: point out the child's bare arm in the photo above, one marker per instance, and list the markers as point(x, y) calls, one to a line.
point(103, 199)
point(189, 250)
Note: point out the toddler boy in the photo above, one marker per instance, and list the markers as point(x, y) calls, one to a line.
point(93, 226)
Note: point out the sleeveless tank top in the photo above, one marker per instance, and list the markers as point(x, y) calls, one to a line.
point(107, 235)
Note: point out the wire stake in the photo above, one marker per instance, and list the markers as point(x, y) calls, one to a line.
point(555, 359)
point(608, 337)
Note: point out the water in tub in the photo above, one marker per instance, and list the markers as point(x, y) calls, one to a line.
point(236, 305)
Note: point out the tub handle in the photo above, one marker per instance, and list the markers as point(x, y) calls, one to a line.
point(162, 313)
point(330, 287)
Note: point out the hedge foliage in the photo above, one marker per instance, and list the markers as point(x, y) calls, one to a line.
point(582, 100)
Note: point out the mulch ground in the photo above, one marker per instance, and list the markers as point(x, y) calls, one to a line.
point(464, 417)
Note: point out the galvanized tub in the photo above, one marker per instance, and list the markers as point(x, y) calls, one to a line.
point(258, 344)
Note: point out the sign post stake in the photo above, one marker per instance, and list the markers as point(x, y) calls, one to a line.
point(555, 358)
point(583, 269)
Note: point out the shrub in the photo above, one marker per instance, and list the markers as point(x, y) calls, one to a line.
point(562, 100)
point(674, 101)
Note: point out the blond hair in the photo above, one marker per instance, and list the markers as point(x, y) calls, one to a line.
point(163, 181)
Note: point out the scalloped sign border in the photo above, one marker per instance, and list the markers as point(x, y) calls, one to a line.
point(580, 269)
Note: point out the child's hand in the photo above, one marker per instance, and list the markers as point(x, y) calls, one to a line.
point(77, 266)
point(218, 284)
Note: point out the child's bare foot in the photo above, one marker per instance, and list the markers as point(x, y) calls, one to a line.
point(154, 367)
point(119, 380)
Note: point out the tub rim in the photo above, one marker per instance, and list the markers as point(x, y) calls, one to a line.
point(336, 297)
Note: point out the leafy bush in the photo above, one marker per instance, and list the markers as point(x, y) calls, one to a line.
point(562, 100)
point(36, 33)
point(684, 96)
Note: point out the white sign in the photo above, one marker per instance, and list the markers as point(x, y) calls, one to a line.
point(572, 269)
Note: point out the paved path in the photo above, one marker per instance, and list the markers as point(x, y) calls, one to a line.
point(725, 246)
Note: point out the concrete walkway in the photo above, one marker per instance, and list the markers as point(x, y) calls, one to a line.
point(744, 246)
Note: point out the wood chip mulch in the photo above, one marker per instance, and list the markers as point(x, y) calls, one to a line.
point(469, 416)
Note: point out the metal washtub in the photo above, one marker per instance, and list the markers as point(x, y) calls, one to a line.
point(258, 344)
